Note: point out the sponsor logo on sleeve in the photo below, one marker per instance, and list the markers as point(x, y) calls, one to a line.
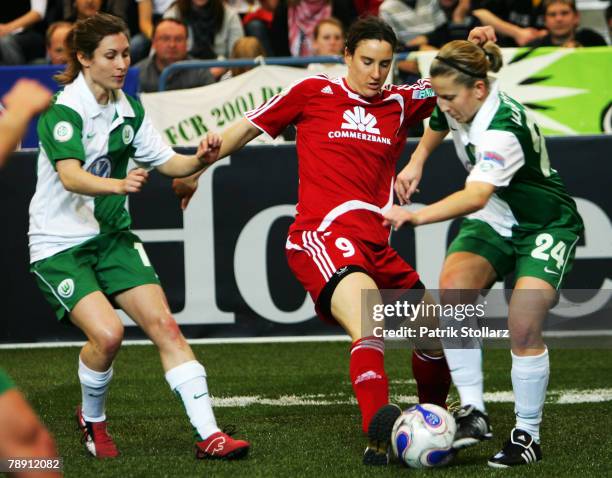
point(494, 157)
point(422, 94)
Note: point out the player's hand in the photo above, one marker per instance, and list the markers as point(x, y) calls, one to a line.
point(185, 188)
point(397, 216)
point(134, 181)
point(481, 35)
point(407, 182)
point(28, 96)
point(208, 149)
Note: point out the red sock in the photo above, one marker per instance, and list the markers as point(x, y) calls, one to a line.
point(432, 378)
point(370, 384)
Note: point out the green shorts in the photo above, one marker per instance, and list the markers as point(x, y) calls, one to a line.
point(547, 254)
point(110, 263)
point(6, 383)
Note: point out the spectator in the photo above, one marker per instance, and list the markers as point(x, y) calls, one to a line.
point(562, 19)
point(149, 13)
point(244, 48)
point(411, 18)
point(57, 33)
point(81, 9)
point(294, 22)
point(259, 23)
point(328, 41)
point(22, 31)
point(367, 7)
point(328, 37)
point(457, 26)
point(243, 7)
point(170, 45)
point(517, 22)
point(213, 27)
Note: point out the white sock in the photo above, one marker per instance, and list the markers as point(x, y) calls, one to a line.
point(94, 388)
point(529, 381)
point(466, 371)
point(188, 381)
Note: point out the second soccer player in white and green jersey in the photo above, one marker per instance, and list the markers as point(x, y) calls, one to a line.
point(82, 251)
point(519, 218)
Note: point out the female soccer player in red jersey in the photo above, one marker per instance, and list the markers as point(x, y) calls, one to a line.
point(350, 133)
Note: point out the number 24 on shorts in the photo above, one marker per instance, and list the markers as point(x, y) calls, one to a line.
point(543, 243)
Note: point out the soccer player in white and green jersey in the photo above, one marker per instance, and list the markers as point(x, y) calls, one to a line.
point(82, 251)
point(519, 218)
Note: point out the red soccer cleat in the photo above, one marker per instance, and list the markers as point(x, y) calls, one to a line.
point(96, 438)
point(221, 446)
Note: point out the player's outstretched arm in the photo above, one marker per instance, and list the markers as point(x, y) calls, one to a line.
point(182, 166)
point(76, 180)
point(22, 102)
point(233, 138)
point(472, 198)
point(409, 178)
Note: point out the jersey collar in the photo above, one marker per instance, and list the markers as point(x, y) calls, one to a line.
point(485, 114)
point(124, 109)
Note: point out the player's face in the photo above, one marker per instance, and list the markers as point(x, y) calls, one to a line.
point(369, 66)
point(109, 63)
point(561, 20)
point(459, 101)
point(329, 41)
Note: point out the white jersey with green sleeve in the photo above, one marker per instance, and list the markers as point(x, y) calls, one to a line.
point(503, 146)
point(103, 139)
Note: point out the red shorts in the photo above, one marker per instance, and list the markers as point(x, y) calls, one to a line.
point(314, 257)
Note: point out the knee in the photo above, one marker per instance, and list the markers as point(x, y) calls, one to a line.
point(109, 340)
point(449, 280)
point(524, 337)
point(164, 329)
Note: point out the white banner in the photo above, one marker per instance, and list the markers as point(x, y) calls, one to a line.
point(184, 116)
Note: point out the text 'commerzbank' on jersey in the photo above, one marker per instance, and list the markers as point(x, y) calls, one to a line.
point(103, 138)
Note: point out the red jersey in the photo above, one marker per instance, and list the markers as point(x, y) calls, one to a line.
point(347, 147)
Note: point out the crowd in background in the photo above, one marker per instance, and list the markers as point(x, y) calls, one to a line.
point(166, 31)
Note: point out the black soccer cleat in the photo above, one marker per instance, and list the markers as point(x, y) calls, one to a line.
point(521, 449)
point(472, 427)
point(379, 435)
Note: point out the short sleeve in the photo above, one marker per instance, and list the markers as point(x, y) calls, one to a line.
point(438, 121)
point(60, 131)
point(150, 148)
point(419, 101)
point(282, 109)
point(498, 157)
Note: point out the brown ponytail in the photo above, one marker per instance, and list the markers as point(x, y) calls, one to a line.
point(467, 62)
point(85, 37)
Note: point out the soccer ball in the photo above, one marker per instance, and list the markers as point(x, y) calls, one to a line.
point(422, 436)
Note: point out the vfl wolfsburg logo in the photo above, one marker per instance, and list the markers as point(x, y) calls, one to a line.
point(66, 288)
point(63, 131)
point(101, 167)
point(359, 120)
point(127, 134)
